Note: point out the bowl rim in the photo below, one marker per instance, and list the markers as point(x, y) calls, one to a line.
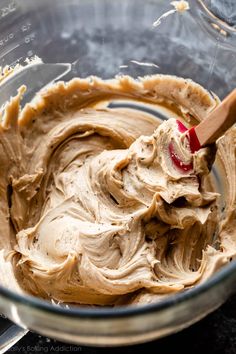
point(122, 311)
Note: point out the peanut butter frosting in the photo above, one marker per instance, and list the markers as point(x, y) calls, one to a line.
point(93, 210)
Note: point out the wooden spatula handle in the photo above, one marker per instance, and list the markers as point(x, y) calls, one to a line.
point(218, 121)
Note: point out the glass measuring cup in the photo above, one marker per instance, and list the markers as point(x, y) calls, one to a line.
point(106, 38)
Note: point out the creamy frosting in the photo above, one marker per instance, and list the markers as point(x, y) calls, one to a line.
point(93, 210)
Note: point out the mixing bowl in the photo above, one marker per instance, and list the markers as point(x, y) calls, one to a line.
point(108, 38)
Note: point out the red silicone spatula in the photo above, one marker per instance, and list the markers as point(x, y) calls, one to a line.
point(209, 130)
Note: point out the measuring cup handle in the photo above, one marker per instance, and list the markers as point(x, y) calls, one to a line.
point(10, 336)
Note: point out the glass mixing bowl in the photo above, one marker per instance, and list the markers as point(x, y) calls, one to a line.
point(106, 38)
